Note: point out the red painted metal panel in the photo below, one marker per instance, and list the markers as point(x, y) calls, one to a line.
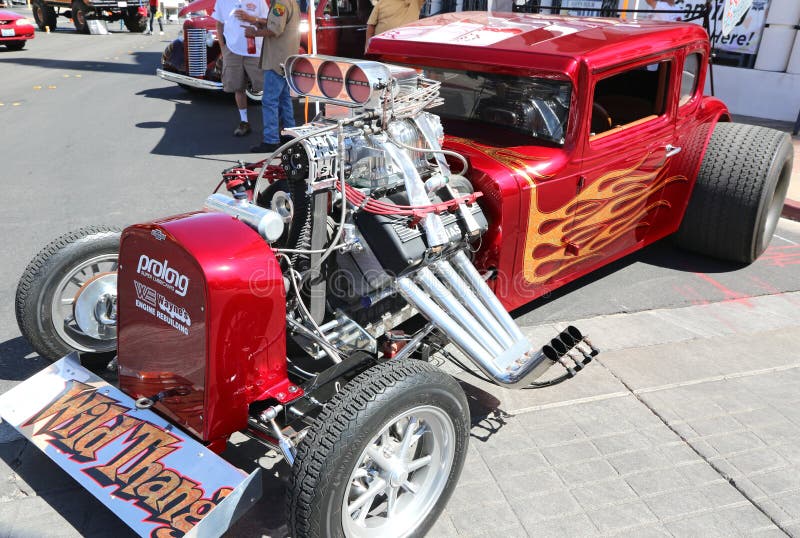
point(233, 353)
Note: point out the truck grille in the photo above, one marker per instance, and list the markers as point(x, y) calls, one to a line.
point(196, 52)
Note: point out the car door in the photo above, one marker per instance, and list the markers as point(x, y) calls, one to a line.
point(627, 161)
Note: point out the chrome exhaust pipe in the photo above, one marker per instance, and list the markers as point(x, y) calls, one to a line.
point(414, 295)
point(466, 313)
point(456, 300)
point(447, 300)
point(458, 286)
point(464, 266)
point(513, 367)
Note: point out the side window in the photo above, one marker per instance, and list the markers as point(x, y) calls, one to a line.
point(689, 77)
point(633, 95)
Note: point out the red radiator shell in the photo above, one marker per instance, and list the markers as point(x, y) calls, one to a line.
point(228, 348)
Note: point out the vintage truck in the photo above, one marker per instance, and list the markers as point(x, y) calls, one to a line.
point(132, 12)
point(484, 161)
point(193, 59)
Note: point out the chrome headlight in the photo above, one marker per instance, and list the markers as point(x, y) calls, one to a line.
point(211, 37)
point(25, 22)
point(304, 26)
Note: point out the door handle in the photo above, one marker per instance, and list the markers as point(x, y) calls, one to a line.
point(672, 150)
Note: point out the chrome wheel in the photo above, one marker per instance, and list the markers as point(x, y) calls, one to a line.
point(400, 474)
point(84, 305)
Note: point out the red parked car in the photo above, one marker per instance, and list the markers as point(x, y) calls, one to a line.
point(493, 158)
point(15, 30)
point(341, 31)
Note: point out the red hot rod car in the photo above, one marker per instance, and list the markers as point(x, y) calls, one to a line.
point(490, 159)
point(193, 60)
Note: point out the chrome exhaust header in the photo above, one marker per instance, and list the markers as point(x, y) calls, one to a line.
point(452, 295)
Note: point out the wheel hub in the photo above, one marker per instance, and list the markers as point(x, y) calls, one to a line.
point(95, 307)
point(398, 475)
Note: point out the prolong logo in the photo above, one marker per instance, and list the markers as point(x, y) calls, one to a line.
point(161, 272)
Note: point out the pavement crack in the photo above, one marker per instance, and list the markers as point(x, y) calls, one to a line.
point(710, 463)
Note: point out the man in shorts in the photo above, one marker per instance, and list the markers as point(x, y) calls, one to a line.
point(281, 33)
point(239, 65)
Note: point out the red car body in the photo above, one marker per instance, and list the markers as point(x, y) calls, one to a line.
point(556, 213)
point(560, 213)
point(339, 32)
point(15, 29)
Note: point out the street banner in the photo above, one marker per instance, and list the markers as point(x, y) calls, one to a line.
point(153, 476)
point(744, 31)
point(734, 10)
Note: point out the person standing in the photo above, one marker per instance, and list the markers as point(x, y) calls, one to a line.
point(389, 14)
point(239, 53)
point(281, 32)
point(153, 10)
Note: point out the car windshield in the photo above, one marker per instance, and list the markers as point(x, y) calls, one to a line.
point(527, 106)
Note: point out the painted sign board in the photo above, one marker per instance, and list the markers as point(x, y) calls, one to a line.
point(733, 11)
point(744, 31)
point(153, 476)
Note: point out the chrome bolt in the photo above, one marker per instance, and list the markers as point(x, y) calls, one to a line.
point(292, 388)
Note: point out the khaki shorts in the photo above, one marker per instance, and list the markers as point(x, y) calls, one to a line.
point(237, 69)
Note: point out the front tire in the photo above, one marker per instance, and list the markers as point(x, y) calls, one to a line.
point(384, 456)
point(739, 194)
point(79, 11)
point(64, 299)
point(15, 45)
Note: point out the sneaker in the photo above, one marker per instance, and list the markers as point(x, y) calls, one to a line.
point(161, 32)
point(243, 129)
point(264, 147)
point(148, 32)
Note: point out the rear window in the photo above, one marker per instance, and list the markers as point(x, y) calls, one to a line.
point(689, 77)
point(528, 107)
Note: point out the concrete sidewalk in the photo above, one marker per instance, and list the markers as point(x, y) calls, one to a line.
point(681, 428)
point(791, 209)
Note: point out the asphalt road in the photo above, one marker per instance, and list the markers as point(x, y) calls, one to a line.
point(91, 135)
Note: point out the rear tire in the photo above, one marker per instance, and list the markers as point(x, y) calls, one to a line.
point(357, 447)
point(739, 194)
point(47, 284)
point(79, 11)
point(15, 45)
point(44, 15)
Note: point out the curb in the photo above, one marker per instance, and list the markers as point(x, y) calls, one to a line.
point(791, 210)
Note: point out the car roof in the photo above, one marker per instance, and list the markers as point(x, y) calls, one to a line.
point(503, 41)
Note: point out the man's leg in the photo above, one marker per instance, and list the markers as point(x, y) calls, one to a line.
point(285, 105)
point(235, 82)
point(269, 106)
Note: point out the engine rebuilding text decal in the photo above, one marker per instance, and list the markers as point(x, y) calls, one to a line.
point(152, 475)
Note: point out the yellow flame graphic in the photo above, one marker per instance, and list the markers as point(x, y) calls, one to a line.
point(615, 204)
point(609, 207)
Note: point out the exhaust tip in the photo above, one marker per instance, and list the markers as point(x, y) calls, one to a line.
point(550, 353)
point(568, 340)
point(558, 346)
point(573, 331)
